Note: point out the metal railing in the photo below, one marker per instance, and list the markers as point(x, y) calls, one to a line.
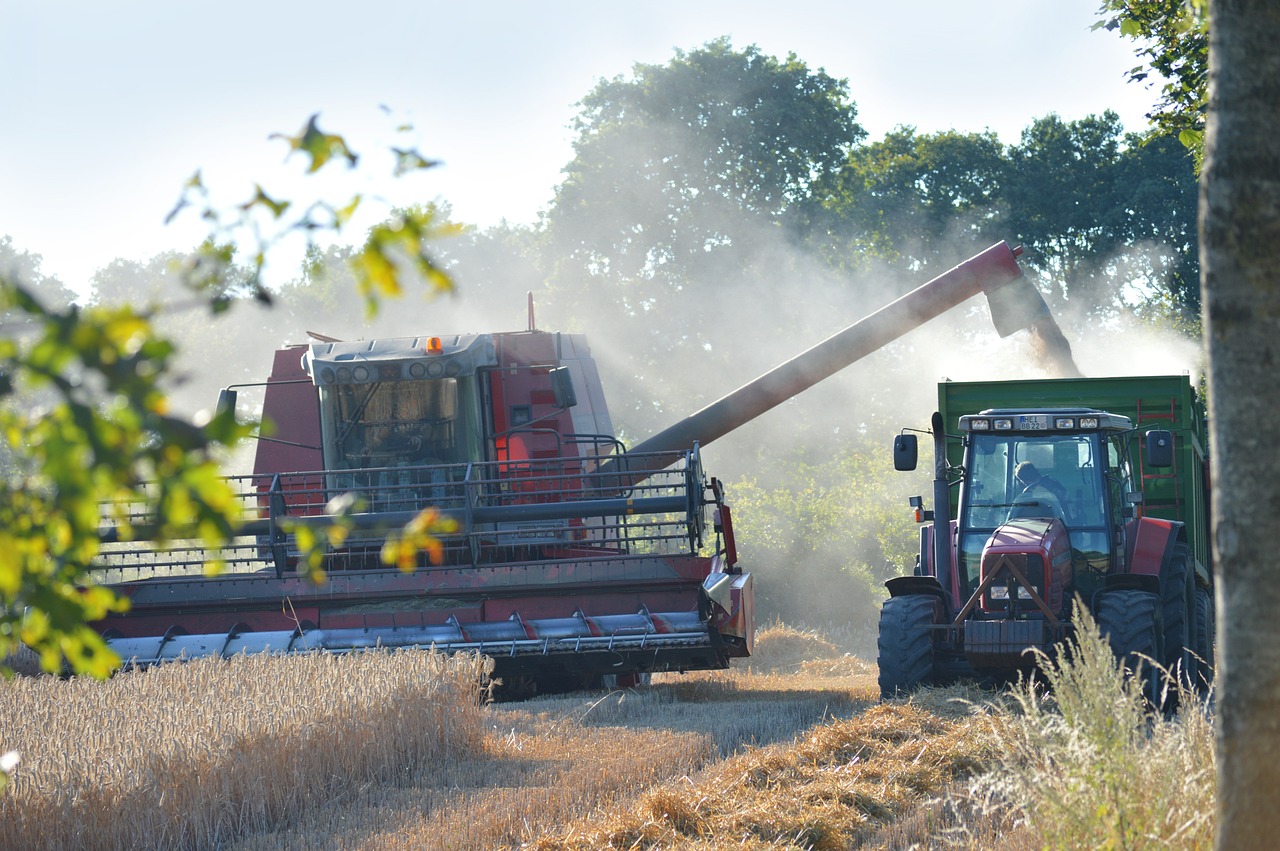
point(505, 512)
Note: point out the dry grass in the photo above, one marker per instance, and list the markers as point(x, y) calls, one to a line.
point(23, 661)
point(833, 787)
point(194, 755)
point(531, 777)
point(1090, 765)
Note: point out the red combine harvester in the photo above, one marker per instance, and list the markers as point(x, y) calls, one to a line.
point(573, 560)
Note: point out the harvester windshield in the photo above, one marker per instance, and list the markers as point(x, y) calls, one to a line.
point(400, 423)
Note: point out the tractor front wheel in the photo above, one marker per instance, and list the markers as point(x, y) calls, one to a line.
point(1130, 622)
point(906, 643)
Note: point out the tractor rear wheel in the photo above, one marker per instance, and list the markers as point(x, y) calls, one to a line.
point(906, 643)
point(1177, 593)
point(1130, 622)
point(1205, 625)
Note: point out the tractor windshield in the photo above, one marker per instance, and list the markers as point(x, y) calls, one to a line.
point(1014, 475)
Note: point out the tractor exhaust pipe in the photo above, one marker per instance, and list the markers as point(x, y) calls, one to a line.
point(1015, 304)
point(941, 507)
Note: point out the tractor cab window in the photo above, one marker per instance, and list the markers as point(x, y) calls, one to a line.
point(1032, 475)
point(1019, 475)
point(1120, 475)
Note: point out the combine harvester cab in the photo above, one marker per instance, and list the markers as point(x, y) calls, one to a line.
point(573, 559)
point(1095, 493)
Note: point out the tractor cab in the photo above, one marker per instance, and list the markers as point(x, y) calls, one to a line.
point(1050, 483)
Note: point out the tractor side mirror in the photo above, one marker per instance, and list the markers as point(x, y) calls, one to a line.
point(226, 402)
point(905, 452)
point(562, 387)
point(1159, 448)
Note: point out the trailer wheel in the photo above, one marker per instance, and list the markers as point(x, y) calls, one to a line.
point(1130, 622)
point(1205, 625)
point(906, 643)
point(1177, 589)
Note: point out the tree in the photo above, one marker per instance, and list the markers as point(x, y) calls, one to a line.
point(667, 162)
point(25, 266)
point(688, 181)
point(1065, 203)
point(907, 198)
point(1099, 212)
point(1240, 238)
point(1175, 48)
point(1108, 223)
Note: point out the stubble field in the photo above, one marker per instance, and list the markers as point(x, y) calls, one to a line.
point(397, 750)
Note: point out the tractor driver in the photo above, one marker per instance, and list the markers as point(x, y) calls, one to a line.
point(1041, 496)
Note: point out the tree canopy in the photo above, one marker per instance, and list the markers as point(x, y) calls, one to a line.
point(1174, 45)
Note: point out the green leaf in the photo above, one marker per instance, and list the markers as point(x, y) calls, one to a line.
point(408, 160)
point(262, 199)
point(319, 146)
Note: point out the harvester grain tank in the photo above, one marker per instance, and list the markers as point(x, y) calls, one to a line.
point(1090, 490)
point(573, 558)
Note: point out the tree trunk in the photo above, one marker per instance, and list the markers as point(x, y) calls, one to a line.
point(1240, 263)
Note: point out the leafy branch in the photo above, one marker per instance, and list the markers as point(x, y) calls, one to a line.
point(84, 417)
point(392, 248)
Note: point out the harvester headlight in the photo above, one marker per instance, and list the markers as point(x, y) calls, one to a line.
point(344, 374)
point(435, 369)
point(979, 425)
point(360, 373)
point(1003, 425)
point(326, 375)
point(417, 369)
point(1024, 593)
point(999, 592)
point(1064, 422)
point(1088, 422)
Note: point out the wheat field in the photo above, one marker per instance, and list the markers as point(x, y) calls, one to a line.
point(195, 755)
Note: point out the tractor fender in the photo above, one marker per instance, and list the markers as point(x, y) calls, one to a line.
point(1150, 544)
point(1132, 582)
point(904, 586)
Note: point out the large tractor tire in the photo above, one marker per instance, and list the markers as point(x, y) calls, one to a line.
point(1205, 625)
point(906, 643)
point(1130, 622)
point(1177, 594)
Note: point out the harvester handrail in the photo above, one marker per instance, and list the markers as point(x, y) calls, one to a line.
point(559, 507)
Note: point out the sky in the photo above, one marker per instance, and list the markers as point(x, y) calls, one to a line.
point(108, 108)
